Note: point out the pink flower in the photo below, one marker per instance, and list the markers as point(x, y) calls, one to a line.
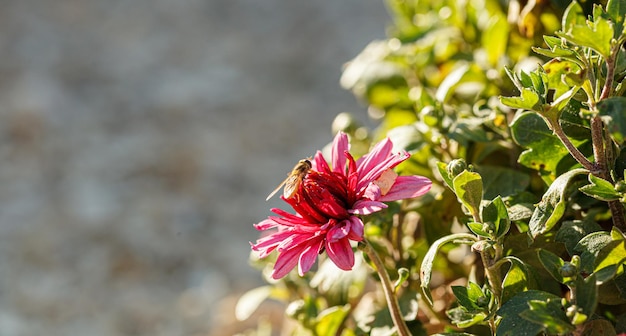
point(328, 204)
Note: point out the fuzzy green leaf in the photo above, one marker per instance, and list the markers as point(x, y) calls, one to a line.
point(609, 259)
point(589, 247)
point(502, 181)
point(512, 324)
point(596, 35)
point(545, 150)
point(552, 263)
point(587, 294)
point(426, 268)
point(550, 315)
point(468, 187)
point(330, 319)
point(528, 100)
point(552, 205)
point(617, 11)
point(600, 189)
point(516, 279)
point(496, 215)
point(612, 112)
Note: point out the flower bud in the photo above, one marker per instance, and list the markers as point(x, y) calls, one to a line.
point(568, 270)
point(456, 167)
point(620, 186)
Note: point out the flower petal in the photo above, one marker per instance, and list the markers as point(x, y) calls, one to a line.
point(380, 152)
point(340, 145)
point(366, 207)
point(407, 187)
point(340, 252)
point(339, 231)
point(319, 163)
point(286, 261)
point(367, 176)
point(308, 256)
point(356, 228)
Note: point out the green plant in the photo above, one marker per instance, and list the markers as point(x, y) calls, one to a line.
point(518, 116)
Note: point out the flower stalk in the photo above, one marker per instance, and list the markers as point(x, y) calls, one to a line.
point(390, 296)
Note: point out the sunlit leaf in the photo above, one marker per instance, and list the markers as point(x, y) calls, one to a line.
point(552, 205)
point(427, 263)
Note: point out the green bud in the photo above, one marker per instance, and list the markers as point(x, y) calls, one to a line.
point(482, 301)
point(568, 270)
point(456, 167)
point(620, 186)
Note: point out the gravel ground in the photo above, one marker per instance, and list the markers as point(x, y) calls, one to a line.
point(138, 140)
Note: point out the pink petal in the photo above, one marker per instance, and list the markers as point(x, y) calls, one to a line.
point(407, 187)
point(366, 207)
point(285, 262)
point(356, 228)
point(340, 231)
point(319, 163)
point(340, 145)
point(374, 172)
point(340, 252)
point(308, 257)
point(380, 151)
point(372, 192)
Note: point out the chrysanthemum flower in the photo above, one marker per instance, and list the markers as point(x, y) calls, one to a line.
point(328, 203)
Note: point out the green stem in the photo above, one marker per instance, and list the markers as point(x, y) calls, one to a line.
point(392, 301)
point(580, 157)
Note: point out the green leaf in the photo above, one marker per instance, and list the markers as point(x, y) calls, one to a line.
point(502, 181)
point(496, 215)
point(550, 315)
point(479, 229)
point(589, 247)
point(552, 205)
point(442, 167)
point(330, 320)
point(528, 100)
point(463, 318)
point(495, 37)
point(573, 15)
point(553, 264)
point(612, 113)
point(587, 294)
point(545, 150)
point(609, 259)
point(617, 11)
point(563, 75)
point(600, 189)
point(426, 268)
point(469, 296)
point(516, 279)
point(596, 35)
point(512, 324)
point(468, 187)
point(571, 232)
point(454, 78)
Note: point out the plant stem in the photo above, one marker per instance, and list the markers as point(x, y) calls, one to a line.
point(580, 157)
point(392, 301)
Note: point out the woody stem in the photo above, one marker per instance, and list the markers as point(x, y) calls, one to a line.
point(392, 301)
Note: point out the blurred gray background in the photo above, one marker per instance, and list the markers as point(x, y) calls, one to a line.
point(138, 142)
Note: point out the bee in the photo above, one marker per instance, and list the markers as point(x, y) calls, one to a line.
point(292, 182)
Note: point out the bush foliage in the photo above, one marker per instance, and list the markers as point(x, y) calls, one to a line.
point(516, 112)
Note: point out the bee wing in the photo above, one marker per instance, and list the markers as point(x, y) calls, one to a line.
point(276, 190)
point(291, 185)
